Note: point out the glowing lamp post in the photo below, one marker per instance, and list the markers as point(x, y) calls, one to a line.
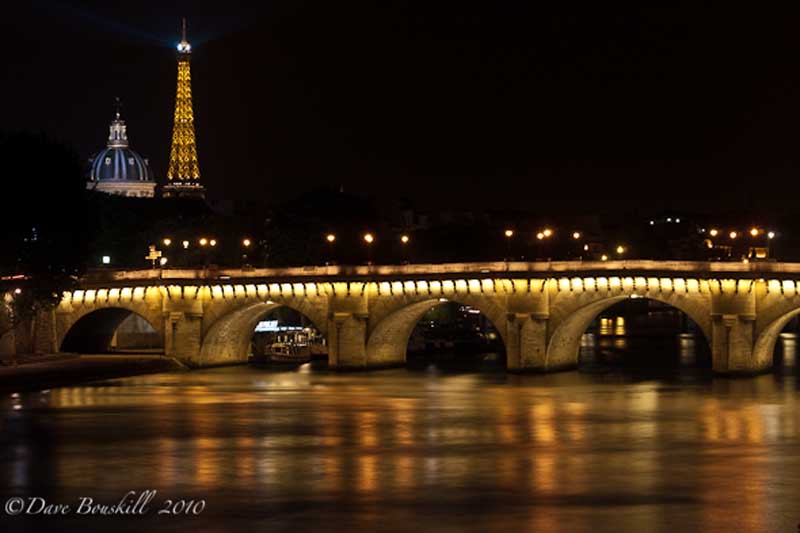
point(404, 240)
point(509, 233)
point(369, 239)
point(770, 236)
point(330, 238)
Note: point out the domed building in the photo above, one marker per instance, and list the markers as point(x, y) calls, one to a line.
point(118, 169)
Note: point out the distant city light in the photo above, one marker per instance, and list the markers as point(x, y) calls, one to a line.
point(212, 242)
point(540, 235)
point(620, 249)
point(246, 243)
point(330, 237)
point(369, 238)
point(733, 235)
point(771, 235)
point(576, 235)
point(713, 232)
point(754, 232)
point(405, 239)
point(17, 291)
point(106, 260)
point(185, 245)
point(203, 242)
point(509, 233)
point(604, 257)
point(585, 247)
point(167, 241)
point(163, 261)
point(548, 232)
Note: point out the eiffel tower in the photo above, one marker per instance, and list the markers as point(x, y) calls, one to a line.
point(184, 171)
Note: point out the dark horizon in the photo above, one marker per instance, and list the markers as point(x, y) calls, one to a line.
point(550, 110)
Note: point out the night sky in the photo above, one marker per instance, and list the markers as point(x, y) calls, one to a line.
point(464, 105)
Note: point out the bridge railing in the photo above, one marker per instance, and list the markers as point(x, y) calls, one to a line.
point(692, 269)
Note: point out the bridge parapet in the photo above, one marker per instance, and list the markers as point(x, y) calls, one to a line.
point(502, 269)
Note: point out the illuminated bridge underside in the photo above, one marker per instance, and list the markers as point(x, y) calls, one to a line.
point(368, 313)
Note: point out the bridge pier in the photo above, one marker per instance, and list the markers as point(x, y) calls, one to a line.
point(526, 342)
point(183, 331)
point(733, 338)
point(348, 314)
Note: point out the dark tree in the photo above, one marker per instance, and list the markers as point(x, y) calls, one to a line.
point(45, 231)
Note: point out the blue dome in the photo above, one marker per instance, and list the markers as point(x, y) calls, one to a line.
point(118, 162)
point(121, 164)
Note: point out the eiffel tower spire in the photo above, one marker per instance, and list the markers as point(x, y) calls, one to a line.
point(183, 174)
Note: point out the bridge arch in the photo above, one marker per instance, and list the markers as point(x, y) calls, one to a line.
point(228, 339)
point(563, 346)
point(387, 342)
point(764, 347)
point(93, 330)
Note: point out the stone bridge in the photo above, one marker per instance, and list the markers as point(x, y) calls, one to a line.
point(367, 313)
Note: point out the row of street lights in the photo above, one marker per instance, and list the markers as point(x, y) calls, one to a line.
point(368, 238)
point(754, 232)
point(203, 242)
point(547, 233)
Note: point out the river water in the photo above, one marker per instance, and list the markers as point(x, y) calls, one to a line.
point(422, 449)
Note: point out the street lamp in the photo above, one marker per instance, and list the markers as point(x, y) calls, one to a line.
point(404, 240)
point(369, 238)
point(754, 232)
point(713, 232)
point(212, 242)
point(246, 243)
point(331, 239)
point(733, 235)
point(576, 235)
point(185, 245)
point(167, 242)
point(548, 232)
point(203, 242)
point(604, 257)
point(508, 233)
point(770, 236)
point(620, 249)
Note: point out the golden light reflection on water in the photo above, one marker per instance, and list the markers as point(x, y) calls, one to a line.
point(401, 436)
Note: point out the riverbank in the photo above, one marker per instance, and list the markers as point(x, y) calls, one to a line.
point(64, 370)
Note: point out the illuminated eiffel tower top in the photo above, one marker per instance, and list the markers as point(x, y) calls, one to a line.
point(184, 171)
